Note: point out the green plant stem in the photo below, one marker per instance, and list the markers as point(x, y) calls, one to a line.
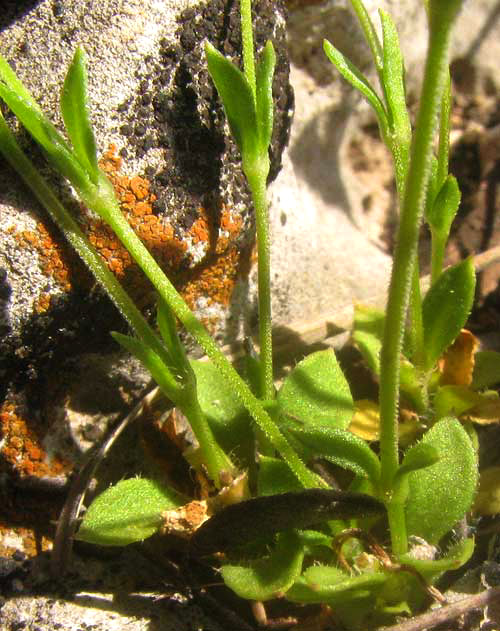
point(257, 182)
point(22, 165)
point(438, 248)
point(256, 175)
point(416, 322)
point(247, 41)
point(107, 207)
point(216, 460)
point(397, 519)
point(438, 240)
point(405, 256)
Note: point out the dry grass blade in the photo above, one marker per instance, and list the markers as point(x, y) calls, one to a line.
point(68, 519)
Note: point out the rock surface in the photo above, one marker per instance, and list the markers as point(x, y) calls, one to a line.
point(332, 205)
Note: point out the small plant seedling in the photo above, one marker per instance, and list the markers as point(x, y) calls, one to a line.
point(271, 515)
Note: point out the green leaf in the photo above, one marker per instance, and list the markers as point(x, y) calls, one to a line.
point(486, 369)
point(47, 136)
point(357, 79)
point(264, 96)
point(419, 456)
point(238, 101)
point(251, 372)
point(127, 512)
point(158, 369)
point(76, 118)
point(455, 400)
point(225, 413)
point(9, 77)
point(370, 33)
point(455, 557)
point(245, 522)
point(275, 477)
point(393, 83)
point(441, 494)
point(442, 212)
point(367, 333)
point(343, 448)
point(167, 325)
point(316, 393)
point(410, 385)
point(320, 584)
point(432, 185)
point(445, 309)
point(267, 578)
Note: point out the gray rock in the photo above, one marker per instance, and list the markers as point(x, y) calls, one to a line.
point(151, 97)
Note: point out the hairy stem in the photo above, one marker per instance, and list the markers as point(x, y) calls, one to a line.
point(216, 460)
point(257, 182)
point(405, 256)
point(108, 208)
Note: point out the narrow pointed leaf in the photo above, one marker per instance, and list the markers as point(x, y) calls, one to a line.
point(443, 151)
point(237, 98)
point(445, 309)
point(76, 117)
point(393, 82)
point(393, 74)
point(9, 77)
point(343, 448)
point(267, 578)
point(357, 79)
point(46, 135)
point(264, 96)
point(127, 512)
point(370, 33)
point(167, 326)
point(441, 494)
point(442, 212)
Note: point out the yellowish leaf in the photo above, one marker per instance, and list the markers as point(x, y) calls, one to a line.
point(487, 412)
point(366, 420)
point(488, 497)
point(457, 364)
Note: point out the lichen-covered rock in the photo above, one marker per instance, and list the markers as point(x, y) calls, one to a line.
point(165, 145)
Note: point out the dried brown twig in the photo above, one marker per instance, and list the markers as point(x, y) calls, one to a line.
point(448, 612)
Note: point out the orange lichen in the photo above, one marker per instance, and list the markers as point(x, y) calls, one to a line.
point(215, 282)
point(52, 256)
point(31, 543)
point(21, 446)
point(214, 277)
point(42, 304)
